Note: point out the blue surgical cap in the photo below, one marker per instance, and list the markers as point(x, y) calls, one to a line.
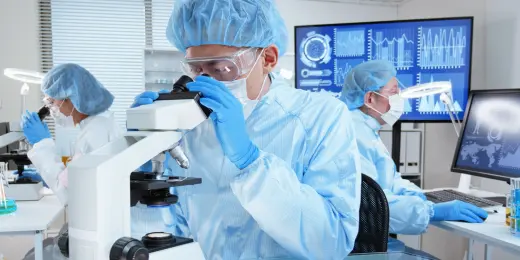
point(73, 82)
point(366, 77)
point(238, 23)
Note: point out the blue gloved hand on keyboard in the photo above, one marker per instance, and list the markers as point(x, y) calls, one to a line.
point(458, 211)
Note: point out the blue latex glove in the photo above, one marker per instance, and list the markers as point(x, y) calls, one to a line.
point(33, 128)
point(228, 119)
point(147, 97)
point(33, 175)
point(458, 210)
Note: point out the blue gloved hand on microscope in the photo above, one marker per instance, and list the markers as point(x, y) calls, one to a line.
point(147, 97)
point(458, 211)
point(227, 116)
point(228, 119)
point(33, 128)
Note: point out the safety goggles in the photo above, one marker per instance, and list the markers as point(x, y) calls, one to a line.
point(53, 105)
point(223, 68)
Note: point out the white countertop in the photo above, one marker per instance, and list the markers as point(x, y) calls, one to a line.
point(493, 231)
point(32, 215)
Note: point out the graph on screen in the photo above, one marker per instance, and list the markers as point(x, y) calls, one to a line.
point(349, 43)
point(394, 45)
point(421, 51)
point(442, 47)
point(432, 104)
point(342, 67)
point(405, 81)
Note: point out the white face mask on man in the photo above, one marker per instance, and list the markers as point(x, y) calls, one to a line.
point(239, 89)
point(396, 109)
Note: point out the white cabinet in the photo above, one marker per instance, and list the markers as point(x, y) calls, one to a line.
point(162, 68)
point(410, 150)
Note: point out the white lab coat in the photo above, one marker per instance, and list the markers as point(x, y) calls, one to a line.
point(95, 132)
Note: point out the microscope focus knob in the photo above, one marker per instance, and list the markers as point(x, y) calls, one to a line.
point(127, 248)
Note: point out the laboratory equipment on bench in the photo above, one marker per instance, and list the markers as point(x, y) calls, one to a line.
point(6, 205)
point(23, 188)
point(103, 185)
point(514, 218)
point(508, 209)
point(25, 76)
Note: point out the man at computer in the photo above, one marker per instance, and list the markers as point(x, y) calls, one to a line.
point(371, 92)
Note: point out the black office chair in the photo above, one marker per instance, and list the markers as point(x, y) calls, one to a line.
point(374, 219)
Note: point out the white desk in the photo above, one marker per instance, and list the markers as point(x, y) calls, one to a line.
point(493, 232)
point(32, 218)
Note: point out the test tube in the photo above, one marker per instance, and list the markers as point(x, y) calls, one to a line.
point(515, 207)
point(508, 209)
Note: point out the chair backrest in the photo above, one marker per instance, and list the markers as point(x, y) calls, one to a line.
point(374, 219)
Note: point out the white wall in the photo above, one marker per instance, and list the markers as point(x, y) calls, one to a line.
point(303, 12)
point(19, 48)
point(502, 40)
point(502, 56)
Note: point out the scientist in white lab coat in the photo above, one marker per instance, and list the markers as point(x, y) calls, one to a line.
point(74, 97)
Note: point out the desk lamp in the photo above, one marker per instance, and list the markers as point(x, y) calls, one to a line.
point(25, 76)
point(444, 89)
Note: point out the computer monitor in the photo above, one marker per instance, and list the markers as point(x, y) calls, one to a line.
point(422, 51)
point(489, 145)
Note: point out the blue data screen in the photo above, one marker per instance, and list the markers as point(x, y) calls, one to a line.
point(491, 138)
point(422, 52)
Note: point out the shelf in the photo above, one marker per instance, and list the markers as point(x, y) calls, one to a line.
point(163, 71)
point(162, 49)
point(157, 83)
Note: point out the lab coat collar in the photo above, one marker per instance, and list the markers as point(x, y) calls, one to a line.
point(89, 119)
point(369, 121)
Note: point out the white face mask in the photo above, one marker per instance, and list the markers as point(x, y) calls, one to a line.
point(60, 119)
point(396, 109)
point(239, 89)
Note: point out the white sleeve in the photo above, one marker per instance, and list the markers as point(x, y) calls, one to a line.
point(44, 157)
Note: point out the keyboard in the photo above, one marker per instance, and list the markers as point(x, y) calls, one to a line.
point(449, 195)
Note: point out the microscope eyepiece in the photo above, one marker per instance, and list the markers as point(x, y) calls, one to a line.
point(43, 112)
point(180, 84)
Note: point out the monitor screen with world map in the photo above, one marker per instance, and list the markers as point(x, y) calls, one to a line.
point(489, 145)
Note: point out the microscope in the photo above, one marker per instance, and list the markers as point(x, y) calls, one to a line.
point(104, 184)
point(24, 187)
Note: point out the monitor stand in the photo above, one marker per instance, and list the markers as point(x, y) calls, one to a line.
point(464, 183)
point(464, 187)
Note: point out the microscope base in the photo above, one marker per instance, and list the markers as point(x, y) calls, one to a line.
point(190, 251)
point(24, 191)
